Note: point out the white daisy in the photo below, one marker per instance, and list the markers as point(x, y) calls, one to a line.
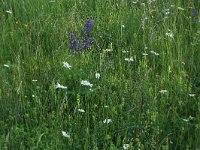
point(81, 110)
point(97, 75)
point(59, 86)
point(125, 51)
point(86, 83)
point(129, 59)
point(191, 95)
point(65, 134)
point(152, 52)
point(163, 91)
point(145, 54)
point(9, 11)
point(107, 50)
point(66, 65)
point(169, 34)
point(107, 121)
point(126, 146)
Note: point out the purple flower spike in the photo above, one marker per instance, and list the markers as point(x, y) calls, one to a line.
point(87, 44)
point(73, 41)
point(194, 12)
point(88, 26)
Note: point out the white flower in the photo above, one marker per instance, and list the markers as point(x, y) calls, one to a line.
point(169, 34)
point(125, 51)
point(34, 80)
point(189, 119)
point(186, 120)
point(9, 11)
point(126, 146)
point(5, 65)
point(97, 75)
point(166, 11)
point(129, 59)
point(81, 110)
point(107, 121)
point(59, 86)
point(86, 83)
point(145, 54)
point(106, 106)
point(163, 91)
point(191, 95)
point(107, 50)
point(66, 65)
point(123, 26)
point(65, 134)
point(152, 52)
point(33, 95)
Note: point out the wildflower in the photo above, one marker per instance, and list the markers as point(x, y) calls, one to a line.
point(81, 110)
point(125, 51)
point(97, 75)
point(166, 11)
point(145, 54)
point(91, 89)
point(152, 52)
point(5, 65)
point(129, 59)
point(107, 121)
point(194, 12)
point(188, 119)
point(169, 34)
point(183, 63)
point(163, 91)
point(106, 106)
point(33, 95)
point(9, 11)
point(77, 43)
point(88, 26)
point(65, 134)
point(194, 15)
point(86, 83)
point(66, 65)
point(191, 95)
point(107, 50)
point(123, 26)
point(88, 41)
point(59, 86)
point(73, 41)
point(34, 80)
point(126, 146)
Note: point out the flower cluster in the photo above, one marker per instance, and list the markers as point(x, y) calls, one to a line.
point(84, 41)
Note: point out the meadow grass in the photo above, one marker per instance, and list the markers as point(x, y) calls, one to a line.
point(146, 52)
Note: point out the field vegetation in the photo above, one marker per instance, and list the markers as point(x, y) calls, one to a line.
point(99, 74)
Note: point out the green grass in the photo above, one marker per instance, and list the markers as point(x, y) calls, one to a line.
point(34, 44)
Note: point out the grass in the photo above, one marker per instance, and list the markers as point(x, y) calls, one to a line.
point(153, 101)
